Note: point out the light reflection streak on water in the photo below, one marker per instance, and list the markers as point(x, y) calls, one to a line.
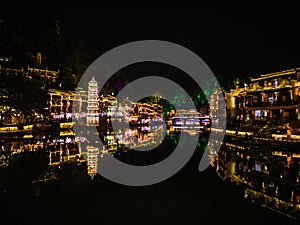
point(68, 149)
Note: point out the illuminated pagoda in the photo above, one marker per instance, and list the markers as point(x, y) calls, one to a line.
point(92, 160)
point(93, 103)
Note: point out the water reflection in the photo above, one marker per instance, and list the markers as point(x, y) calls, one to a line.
point(92, 160)
point(128, 144)
point(119, 142)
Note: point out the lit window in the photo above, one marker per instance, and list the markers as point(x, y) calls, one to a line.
point(258, 113)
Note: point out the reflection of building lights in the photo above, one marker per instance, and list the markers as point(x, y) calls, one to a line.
point(66, 125)
point(66, 133)
point(110, 137)
point(68, 140)
point(28, 127)
point(68, 115)
point(92, 160)
point(28, 136)
point(58, 116)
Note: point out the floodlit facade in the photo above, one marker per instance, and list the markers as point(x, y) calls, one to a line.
point(60, 104)
point(271, 97)
point(93, 103)
point(45, 75)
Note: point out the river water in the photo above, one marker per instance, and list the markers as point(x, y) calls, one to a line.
point(188, 197)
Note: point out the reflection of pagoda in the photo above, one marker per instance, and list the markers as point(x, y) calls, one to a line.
point(92, 160)
point(93, 103)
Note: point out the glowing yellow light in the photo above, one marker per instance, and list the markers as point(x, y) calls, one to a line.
point(28, 127)
point(28, 136)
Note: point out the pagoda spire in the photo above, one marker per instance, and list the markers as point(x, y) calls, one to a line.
point(93, 103)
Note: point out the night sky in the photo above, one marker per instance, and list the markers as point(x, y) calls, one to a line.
point(233, 41)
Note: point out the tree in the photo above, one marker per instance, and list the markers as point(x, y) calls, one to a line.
point(108, 89)
point(67, 78)
point(20, 95)
point(199, 96)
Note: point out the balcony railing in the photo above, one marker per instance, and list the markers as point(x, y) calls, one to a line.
point(275, 103)
point(277, 87)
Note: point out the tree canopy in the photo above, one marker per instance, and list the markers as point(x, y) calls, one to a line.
point(20, 95)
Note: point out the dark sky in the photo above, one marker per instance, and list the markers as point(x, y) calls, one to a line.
point(233, 41)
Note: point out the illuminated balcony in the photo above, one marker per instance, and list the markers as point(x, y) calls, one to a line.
point(273, 103)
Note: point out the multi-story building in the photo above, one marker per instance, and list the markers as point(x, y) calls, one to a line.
point(61, 104)
point(271, 97)
point(218, 108)
point(11, 71)
point(38, 71)
point(231, 105)
point(45, 75)
point(107, 105)
point(268, 168)
point(80, 101)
